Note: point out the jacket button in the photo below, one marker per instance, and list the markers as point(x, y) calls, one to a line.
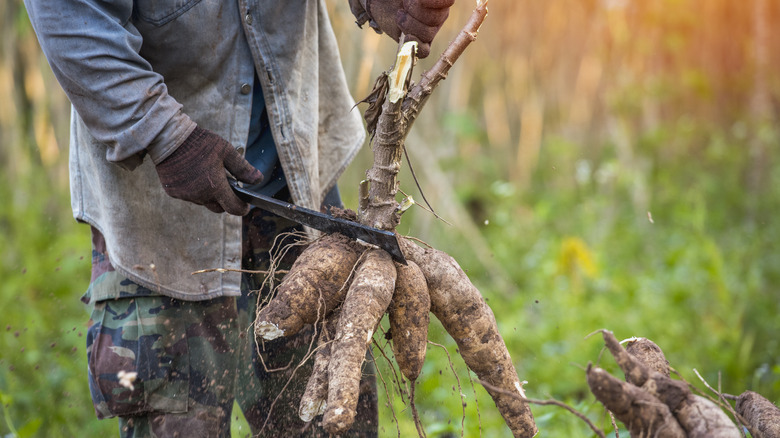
point(246, 89)
point(248, 19)
point(240, 150)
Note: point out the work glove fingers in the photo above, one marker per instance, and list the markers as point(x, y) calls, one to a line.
point(384, 14)
point(214, 206)
point(416, 30)
point(423, 49)
point(432, 13)
point(427, 4)
point(197, 172)
point(242, 171)
point(240, 168)
point(230, 203)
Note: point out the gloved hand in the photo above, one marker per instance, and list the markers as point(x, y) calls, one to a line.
point(420, 20)
point(195, 172)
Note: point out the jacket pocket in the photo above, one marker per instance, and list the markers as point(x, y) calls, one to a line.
point(131, 336)
point(161, 12)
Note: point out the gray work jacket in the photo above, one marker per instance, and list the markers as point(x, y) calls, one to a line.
point(142, 73)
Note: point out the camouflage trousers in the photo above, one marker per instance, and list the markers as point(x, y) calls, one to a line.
point(194, 359)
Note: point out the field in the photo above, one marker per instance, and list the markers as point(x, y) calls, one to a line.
point(605, 165)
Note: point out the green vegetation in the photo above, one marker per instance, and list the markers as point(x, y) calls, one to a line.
point(602, 167)
point(693, 272)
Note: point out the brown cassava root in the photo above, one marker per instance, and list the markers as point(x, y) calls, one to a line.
point(760, 413)
point(649, 354)
point(313, 287)
point(409, 318)
point(314, 399)
point(643, 401)
point(468, 319)
point(365, 304)
point(639, 411)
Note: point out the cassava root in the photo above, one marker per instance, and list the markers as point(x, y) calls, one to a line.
point(639, 411)
point(760, 413)
point(365, 304)
point(468, 319)
point(409, 318)
point(651, 403)
point(313, 287)
point(314, 399)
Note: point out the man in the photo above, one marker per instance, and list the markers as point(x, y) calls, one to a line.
point(168, 98)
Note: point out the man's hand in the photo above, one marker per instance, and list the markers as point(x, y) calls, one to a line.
point(419, 20)
point(195, 172)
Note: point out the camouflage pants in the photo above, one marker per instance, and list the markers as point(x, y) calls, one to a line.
point(194, 359)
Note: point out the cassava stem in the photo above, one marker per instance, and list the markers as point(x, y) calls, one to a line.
point(397, 117)
point(419, 94)
point(381, 207)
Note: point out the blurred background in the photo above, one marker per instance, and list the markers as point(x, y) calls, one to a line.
point(601, 164)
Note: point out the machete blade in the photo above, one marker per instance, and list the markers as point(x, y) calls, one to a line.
point(386, 240)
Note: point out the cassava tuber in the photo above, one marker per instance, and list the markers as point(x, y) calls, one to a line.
point(314, 286)
point(409, 318)
point(365, 304)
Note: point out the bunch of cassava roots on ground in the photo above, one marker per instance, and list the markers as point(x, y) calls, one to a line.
point(344, 287)
point(652, 404)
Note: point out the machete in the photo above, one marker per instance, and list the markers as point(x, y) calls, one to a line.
point(386, 240)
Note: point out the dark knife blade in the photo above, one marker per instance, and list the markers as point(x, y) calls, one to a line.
point(386, 240)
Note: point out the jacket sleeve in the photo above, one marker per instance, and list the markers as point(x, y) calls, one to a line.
point(93, 49)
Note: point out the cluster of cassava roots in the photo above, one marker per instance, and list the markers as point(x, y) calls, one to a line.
point(346, 287)
point(652, 404)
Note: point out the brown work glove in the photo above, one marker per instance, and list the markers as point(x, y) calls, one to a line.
point(195, 172)
point(419, 20)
